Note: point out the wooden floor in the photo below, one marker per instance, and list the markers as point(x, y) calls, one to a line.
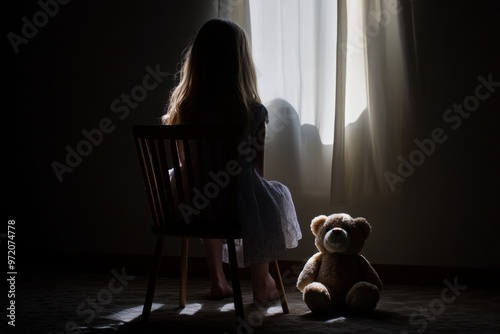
point(62, 302)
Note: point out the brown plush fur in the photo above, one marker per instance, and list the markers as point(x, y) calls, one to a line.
point(338, 276)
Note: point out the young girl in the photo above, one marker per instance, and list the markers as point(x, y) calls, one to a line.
point(218, 84)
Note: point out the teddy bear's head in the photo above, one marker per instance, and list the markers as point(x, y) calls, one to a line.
point(340, 233)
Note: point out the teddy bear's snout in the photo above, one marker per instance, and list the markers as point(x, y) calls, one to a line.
point(337, 240)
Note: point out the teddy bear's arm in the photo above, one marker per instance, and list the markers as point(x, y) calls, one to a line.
point(368, 273)
point(309, 272)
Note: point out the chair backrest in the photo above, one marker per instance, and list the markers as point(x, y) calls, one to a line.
point(190, 173)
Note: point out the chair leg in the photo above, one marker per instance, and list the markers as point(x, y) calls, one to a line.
point(235, 278)
point(277, 278)
point(184, 267)
point(152, 279)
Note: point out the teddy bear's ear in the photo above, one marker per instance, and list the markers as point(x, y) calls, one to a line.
point(364, 226)
point(316, 223)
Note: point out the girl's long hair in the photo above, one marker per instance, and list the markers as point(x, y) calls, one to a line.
point(217, 77)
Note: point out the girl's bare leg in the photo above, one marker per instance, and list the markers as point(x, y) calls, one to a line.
point(219, 288)
point(263, 285)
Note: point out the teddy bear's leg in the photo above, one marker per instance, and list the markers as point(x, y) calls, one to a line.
point(318, 298)
point(362, 297)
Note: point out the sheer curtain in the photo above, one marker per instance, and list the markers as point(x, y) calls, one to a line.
point(369, 124)
point(332, 77)
point(294, 47)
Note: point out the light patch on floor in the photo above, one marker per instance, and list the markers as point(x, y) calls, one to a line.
point(274, 310)
point(191, 309)
point(131, 313)
point(339, 319)
point(269, 308)
point(227, 307)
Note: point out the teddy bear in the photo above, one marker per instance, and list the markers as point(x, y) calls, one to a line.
point(338, 277)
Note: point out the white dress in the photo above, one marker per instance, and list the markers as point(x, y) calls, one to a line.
point(266, 211)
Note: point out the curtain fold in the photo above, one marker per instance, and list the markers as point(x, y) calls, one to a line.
point(368, 147)
point(337, 179)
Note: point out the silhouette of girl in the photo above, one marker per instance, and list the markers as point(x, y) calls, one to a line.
point(218, 84)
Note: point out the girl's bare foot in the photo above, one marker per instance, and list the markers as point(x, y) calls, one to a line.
point(264, 290)
point(219, 287)
point(220, 290)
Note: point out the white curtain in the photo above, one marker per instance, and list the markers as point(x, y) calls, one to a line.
point(331, 74)
point(294, 47)
point(370, 123)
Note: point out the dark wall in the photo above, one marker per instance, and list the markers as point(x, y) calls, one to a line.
point(65, 79)
point(453, 197)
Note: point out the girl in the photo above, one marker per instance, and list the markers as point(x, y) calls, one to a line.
point(218, 84)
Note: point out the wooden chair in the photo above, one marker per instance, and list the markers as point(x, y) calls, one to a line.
point(190, 173)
